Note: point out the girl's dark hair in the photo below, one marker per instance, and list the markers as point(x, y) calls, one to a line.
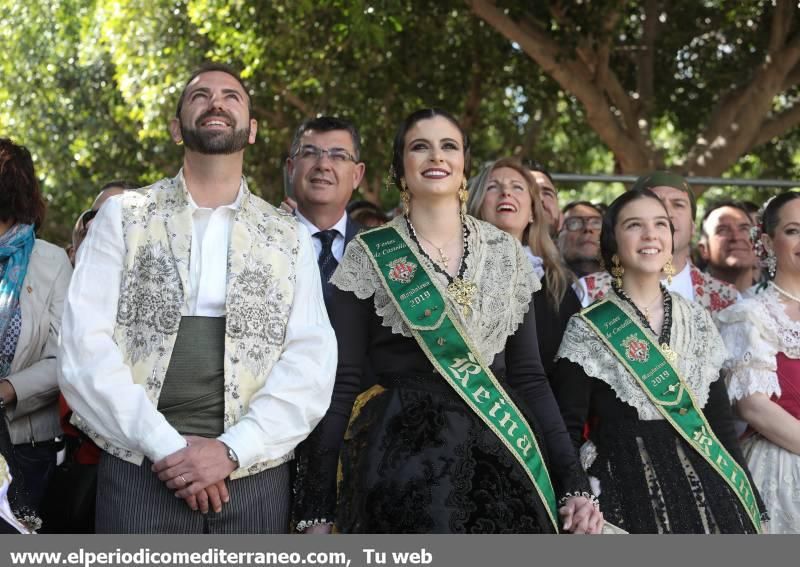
point(608, 240)
point(771, 215)
point(21, 199)
point(397, 171)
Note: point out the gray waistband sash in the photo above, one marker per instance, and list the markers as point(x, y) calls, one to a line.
point(193, 396)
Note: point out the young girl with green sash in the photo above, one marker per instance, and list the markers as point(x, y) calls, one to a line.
point(642, 368)
point(462, 433)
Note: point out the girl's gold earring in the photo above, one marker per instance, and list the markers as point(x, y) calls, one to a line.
point(669, 270)
point(617, 270)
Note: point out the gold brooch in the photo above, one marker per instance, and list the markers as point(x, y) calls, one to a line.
point(462, 292)
point(668, 353)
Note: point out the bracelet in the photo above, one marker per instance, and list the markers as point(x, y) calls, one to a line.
point(303, 525)
point(590, 497)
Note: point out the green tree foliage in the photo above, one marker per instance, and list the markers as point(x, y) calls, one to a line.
point(90, 85)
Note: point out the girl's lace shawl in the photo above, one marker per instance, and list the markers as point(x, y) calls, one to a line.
point(496, 264)
point(755, 330)
point(693, 337)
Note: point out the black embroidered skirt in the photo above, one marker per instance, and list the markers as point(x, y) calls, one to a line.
point(652, 481)
point(416, 459)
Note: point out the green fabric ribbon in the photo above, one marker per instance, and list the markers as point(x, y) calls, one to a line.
point(652, 366)
point(443, 340)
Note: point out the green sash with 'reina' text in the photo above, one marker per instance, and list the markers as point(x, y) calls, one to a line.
point(424, 309)
point(654, 371)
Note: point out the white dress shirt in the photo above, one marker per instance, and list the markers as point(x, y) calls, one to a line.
point(337, 247)
point(98, 384)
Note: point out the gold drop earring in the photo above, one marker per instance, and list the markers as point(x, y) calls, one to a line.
point(462, 198)
point(669, 270)
point(617, 270)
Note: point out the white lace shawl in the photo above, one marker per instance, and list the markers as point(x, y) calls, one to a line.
point(756, 329)
point(496, 264)
point(693, 337)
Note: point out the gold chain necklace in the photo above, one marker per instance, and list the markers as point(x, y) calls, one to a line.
point(461, 290)
point(444, 259)
point(649, 305)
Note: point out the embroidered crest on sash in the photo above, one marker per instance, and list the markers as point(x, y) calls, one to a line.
point(401, 270)
point(636, 350)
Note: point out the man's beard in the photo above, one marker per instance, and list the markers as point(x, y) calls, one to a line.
point(215, 142)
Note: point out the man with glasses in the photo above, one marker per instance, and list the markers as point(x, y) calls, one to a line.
point(579, 238)
point(324, 169)
point(687, 279)
point(196, 350)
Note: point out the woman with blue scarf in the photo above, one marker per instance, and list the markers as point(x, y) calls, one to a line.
point(34, 276)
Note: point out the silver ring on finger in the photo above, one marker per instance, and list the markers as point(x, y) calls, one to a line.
point(185, 482)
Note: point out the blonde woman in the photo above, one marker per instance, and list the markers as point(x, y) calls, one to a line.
point(506, 195)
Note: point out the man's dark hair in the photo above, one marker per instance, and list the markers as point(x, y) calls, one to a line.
point(569, 206)
point(534, 165)
point(208, 68)
point(123, 184)
point(327, 124)
point(718, 204)
point(21, 198)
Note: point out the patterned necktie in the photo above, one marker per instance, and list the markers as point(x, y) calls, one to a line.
point(327, 262)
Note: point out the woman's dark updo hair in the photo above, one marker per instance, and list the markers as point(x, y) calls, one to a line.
point(21, 199)
point(771, 215)
point(397, 171)
point(608, 240)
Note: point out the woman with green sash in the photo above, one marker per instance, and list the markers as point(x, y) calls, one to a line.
point(462, 433)
point(642, 368)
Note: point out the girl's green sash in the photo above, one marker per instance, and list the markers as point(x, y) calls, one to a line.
point(426, 312)
point(653, 369)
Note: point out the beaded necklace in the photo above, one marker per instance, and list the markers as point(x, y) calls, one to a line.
point(461, 290)
point(666, 325)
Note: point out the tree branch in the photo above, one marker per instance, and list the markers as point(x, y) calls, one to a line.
point(739, 117)
point(575, 77)
point(782, 18)
point(777, 126)
point(296, 102)
point(645, 59)
point(792, 79)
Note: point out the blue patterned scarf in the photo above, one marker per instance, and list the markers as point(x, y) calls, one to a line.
point(15, 252)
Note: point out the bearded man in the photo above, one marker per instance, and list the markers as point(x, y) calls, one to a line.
point(196, 348)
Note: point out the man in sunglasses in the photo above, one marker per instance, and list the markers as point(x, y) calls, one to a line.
point(196, 350)
point(579, 238)
point(324, 169)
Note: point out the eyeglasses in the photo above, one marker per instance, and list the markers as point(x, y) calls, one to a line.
point(87, 217)
point(313, 153)
point(574, 224)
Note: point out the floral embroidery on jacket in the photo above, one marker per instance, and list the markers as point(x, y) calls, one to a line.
point(157, 229)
